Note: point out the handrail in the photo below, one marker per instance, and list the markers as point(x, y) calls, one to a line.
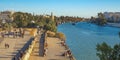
point(23, 50)
point(42, 43)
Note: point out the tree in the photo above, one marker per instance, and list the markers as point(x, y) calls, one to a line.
point(50, 25)
point(116, 52)
point(7, 26)
point(103, 51)
point(22, 19)
point(101, 19)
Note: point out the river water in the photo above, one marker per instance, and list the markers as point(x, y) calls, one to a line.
point(83, 37)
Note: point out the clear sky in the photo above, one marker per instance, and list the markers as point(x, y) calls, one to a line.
point(81, 8)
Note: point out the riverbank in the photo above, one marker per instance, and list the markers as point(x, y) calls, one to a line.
point(114, 24)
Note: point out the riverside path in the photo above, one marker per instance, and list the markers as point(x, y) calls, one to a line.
point(55, 50)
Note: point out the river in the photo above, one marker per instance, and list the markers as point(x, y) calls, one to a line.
point(83, 37)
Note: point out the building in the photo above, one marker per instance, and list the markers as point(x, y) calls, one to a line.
point(52, 16)
point(6, 16)
point(49, 16)
point(112, 16)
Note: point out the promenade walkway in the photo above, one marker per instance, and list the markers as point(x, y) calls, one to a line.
point(55, 51)
point(15, 45)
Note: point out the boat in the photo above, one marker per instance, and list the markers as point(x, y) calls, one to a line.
point(73, 23)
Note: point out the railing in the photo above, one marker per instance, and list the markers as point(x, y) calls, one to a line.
point(29, 51)
point(42, 44)
point(25, 52)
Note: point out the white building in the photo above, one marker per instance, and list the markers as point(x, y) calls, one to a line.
point(112, 16)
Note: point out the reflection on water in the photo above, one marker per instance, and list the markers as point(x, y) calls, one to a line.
point(83, 37)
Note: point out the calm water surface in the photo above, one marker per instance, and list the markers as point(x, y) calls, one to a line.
point(83, 37)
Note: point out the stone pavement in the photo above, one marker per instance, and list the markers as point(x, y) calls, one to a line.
point(55, 50)
point(15, 45)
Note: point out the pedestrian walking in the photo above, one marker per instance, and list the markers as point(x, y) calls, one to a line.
point(6, 45)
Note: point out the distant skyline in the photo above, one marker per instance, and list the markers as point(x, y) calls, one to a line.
point(81, 8)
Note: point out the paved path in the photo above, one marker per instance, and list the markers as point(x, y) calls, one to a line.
point(55, 51)
point(15, 45)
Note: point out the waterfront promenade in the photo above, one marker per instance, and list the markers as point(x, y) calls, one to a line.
point(54, 51)
point(15, 44)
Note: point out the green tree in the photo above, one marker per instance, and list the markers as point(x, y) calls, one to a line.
point(50, 25)
point(101, 19)
point(116, 52)
point(103, 51)
point(22, 19)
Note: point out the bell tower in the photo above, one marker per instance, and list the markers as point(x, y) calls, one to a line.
point(52, 16)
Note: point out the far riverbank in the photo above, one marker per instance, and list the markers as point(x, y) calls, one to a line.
point(114, 24)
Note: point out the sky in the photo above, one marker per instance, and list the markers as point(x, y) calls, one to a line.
point(81, 8)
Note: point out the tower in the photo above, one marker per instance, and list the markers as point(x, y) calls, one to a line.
point(52, 16)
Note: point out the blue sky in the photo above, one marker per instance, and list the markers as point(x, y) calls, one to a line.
point(81, 8)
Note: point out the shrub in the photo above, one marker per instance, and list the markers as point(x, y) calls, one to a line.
point(60, 35)
point(50, 34)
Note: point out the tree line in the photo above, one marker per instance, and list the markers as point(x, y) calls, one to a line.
point(28, 20)
point(63, 19)
point(106, 52)
point(100, 20)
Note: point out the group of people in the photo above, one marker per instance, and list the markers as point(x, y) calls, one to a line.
point(19, 33)
point(15, 33)
point(45, 48)
point(63, 43)
point(6, 45)
point(67, 53)
point(45, 51)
